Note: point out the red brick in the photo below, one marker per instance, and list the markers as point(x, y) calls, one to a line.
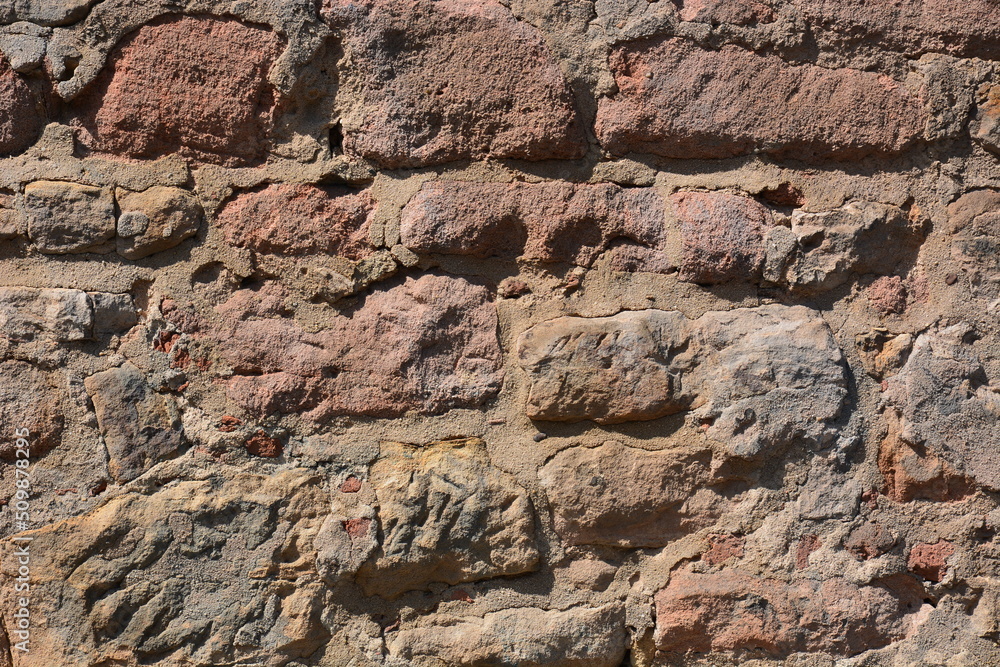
point(930, 561)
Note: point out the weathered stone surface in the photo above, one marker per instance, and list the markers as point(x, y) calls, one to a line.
point(734, 611)
point(192, 85)
point(974, 221)
point(185, 572)
point(300, 220)
point(23, 44)
point(428, 344)
point(46, 12)
point(576, 637)
point(113, 313)
point(451, 80)
point(759, 377)
point(722, 236)
point(627, 497)
point(737, 12)
point(887, 295)
point(942, 411)
point(27, 313)
point(930, 561)
point(156, 219)
point(22, 115)
point(910, 26)
point(31, 400)
point(678, 100)
point(69, 217)
point(444, 514)
point(547, 222)
point(139, 426)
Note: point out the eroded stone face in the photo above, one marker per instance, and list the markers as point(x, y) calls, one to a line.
point(723, 236)
point(22, 115)
point(192, 85)
point(69, 217)
point(444, 514)
point(155, 220)
point(451, 80)
point(678, 100)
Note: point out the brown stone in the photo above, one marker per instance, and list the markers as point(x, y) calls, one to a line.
point(192, 85)
point(300, 219)
point(628, 497)
point(722, 236)
point(737, 12)
point(677, 100)
point(722, 548)
point(806, 546)
point(27, 313)
point(887, 295)
point(450, 80)
point(261, 444)
point(868, 541)
point(32, 401)
point(730, 610)
point(930, 561)
point(155, 220)
point(546, 222)
point(69, 217)
point(22, 115)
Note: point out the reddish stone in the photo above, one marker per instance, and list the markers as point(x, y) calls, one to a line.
point(678, 100)
point(723, 236)
point(915, 472)
point(300, 219)
point(351, 485)
point(784, 194)
point(32, 401)
point(807, 545)
point(447, 80)
point(887, 295)
point(22, 116)
point(261, 444)
point(738, 12)
point(722, 548)
point(547, 222)
point(966, 28)
point(357, 528)
point(191, 85)
point(730, 610)
point(930, 561)
point(228, 424)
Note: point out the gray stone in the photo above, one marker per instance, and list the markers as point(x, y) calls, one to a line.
point(24, 45)
point(30, 312)
point(113, 313)
point(156, 219)
point(139, 426)
point(46, 12)
point(576, 637)
point(69, 217)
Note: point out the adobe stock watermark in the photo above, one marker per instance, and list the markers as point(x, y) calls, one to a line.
point(21, 627)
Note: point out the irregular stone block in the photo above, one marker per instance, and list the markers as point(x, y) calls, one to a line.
point(930, 561)
point(113, 313)
point(942, 411)
point(445, 514)
point(139, 426)
point(760, 377)
point(155, 220)
point(24, 46)
point(547, 222)
point(677, 100)
point(576, 637)
point(427, 344)
point(192, 85)
point(60, 314)
point(450, 80)
point(48, 12)
point(722, 236)
point(734, 611)
point(187, 570)
point(69, 217)
point(911, 26)
point(627, 497)
point(30, 400)
point(736, 12)
point(22, 115)
point(299, 220)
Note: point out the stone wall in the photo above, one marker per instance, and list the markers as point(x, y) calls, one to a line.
point(576, 333)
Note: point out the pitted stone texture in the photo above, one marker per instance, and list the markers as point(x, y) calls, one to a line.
point(444, 514)
point(859, 238)
point(186, 570)
point(760, 378)
point(140, 427)
point(155, 220)
point(943, 408)
point(678, 100)
point(739, 612)
point(427, 344)
point(549, 222)
point(722, 236)
point(911, 26)
point(450, 80)
point(31, 400)
point(27, 313)
point(45, 12)
point(69, 217)
point(736, 12)
point(300, 220)
point(974, 221)
point(196, 86)
point(626, 497)
point(576, 637)
point(22, 115)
